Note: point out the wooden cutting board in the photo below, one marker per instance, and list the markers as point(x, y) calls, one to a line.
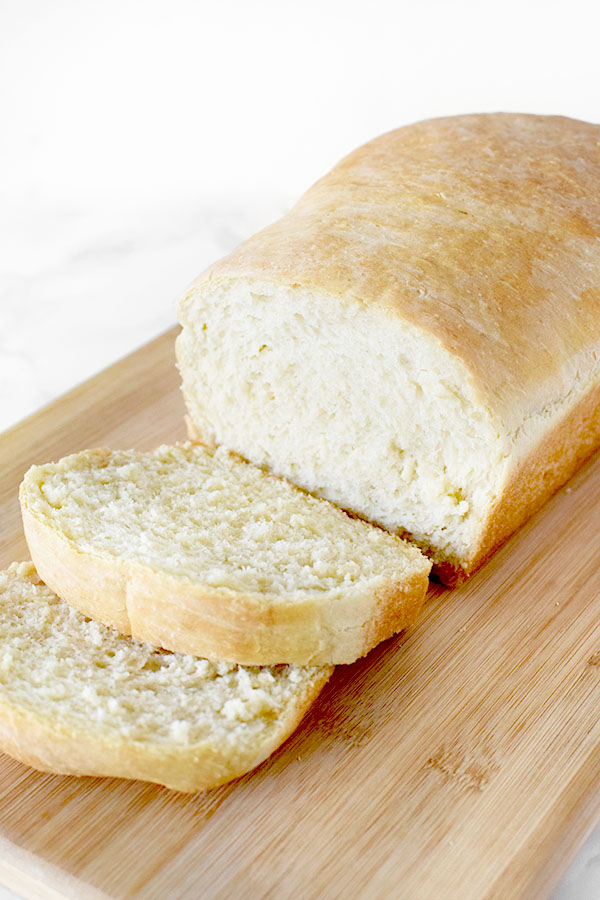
point(461, 760)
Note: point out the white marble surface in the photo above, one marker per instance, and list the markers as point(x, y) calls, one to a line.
point(141, 140)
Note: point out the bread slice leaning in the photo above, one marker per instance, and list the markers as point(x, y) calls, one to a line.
point(199, 552)
point(78, 698)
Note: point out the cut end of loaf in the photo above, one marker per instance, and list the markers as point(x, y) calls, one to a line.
point(406, 337)
point(401, 440)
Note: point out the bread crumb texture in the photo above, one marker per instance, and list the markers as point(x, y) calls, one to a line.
point(376, 417)
point(405, 338)
point(79, 676)
point(209, 517)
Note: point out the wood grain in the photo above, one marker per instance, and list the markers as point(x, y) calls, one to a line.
point(461, 760)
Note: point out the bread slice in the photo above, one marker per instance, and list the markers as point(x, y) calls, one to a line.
point(418, 339)
point(199, 552)
point(78, 698)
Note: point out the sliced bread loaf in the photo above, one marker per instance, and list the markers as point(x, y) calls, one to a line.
point(79, 698)
point(197, 551)
point(418, 339)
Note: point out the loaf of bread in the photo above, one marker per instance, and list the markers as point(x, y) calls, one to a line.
point(418, 339)
point(78, 698)
point(199, 552)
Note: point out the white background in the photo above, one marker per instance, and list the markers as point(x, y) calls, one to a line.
point(140, 140)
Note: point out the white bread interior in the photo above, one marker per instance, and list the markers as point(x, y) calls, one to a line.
point(197, 551)
point(418, 338)
point(347, 402)
point(79, 698)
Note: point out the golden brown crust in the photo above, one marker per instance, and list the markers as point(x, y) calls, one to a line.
point(253, 631)
point(481, 230)
point(552, 462)
point(249, 629)
point(46, 746)
point(484, 232)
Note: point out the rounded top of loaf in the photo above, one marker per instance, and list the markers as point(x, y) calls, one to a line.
point(481, 230)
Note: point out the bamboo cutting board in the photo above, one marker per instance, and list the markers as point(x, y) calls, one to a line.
point(461, 760)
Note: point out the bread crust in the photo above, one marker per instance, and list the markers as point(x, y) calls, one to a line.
point(483, 232)
point(250, 629)
point(554, 459)
point(476, 229)
point(45, 746)
point(48, 745)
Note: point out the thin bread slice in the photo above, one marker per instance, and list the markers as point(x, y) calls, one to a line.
point(79, 698)
point(197, 551)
